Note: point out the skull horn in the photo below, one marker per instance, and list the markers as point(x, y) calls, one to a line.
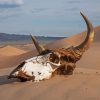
point(39, 48)
point(90, 35)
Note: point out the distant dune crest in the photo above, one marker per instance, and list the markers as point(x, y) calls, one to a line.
point(11, 51)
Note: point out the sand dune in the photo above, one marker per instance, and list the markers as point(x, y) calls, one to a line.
point(82, 85)
point(74, 40)
point(91, 58)
point(9, 56)
point(10, 51)
point(97, 34)
point(66, 42)
point(79, 86)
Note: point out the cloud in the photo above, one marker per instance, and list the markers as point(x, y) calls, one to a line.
point(10, 3)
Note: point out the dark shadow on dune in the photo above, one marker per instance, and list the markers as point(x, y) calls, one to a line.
point(4, 80)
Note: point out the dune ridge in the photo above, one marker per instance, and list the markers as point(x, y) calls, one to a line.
point(10, 51)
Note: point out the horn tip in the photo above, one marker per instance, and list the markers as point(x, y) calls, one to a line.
point(32, 37)
point(81, 13)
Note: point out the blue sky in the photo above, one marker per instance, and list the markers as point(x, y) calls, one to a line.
point(47, 17)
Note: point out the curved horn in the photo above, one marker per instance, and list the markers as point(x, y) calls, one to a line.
point(90, 35)
point(37, 45)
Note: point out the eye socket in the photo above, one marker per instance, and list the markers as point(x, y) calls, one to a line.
point(68, 58)
point(54, 58)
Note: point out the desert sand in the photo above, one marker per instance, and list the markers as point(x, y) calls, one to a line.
point(84, 84)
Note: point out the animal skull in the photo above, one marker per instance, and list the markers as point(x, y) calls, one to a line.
point(48, 62)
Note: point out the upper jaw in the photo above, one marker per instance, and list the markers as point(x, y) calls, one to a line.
point(45, 73)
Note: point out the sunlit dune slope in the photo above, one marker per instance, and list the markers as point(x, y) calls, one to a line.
point(90, 58)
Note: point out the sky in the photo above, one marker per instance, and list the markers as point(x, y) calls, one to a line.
point(47, 17)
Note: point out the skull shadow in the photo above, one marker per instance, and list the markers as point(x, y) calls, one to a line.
point(4, 80)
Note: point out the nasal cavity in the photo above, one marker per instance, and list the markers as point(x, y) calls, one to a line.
point(39, 73)
point(32, 73)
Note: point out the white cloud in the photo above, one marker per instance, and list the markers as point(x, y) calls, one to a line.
point(11, 2)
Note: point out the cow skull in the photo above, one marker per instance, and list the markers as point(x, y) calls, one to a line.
point(48, 62)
